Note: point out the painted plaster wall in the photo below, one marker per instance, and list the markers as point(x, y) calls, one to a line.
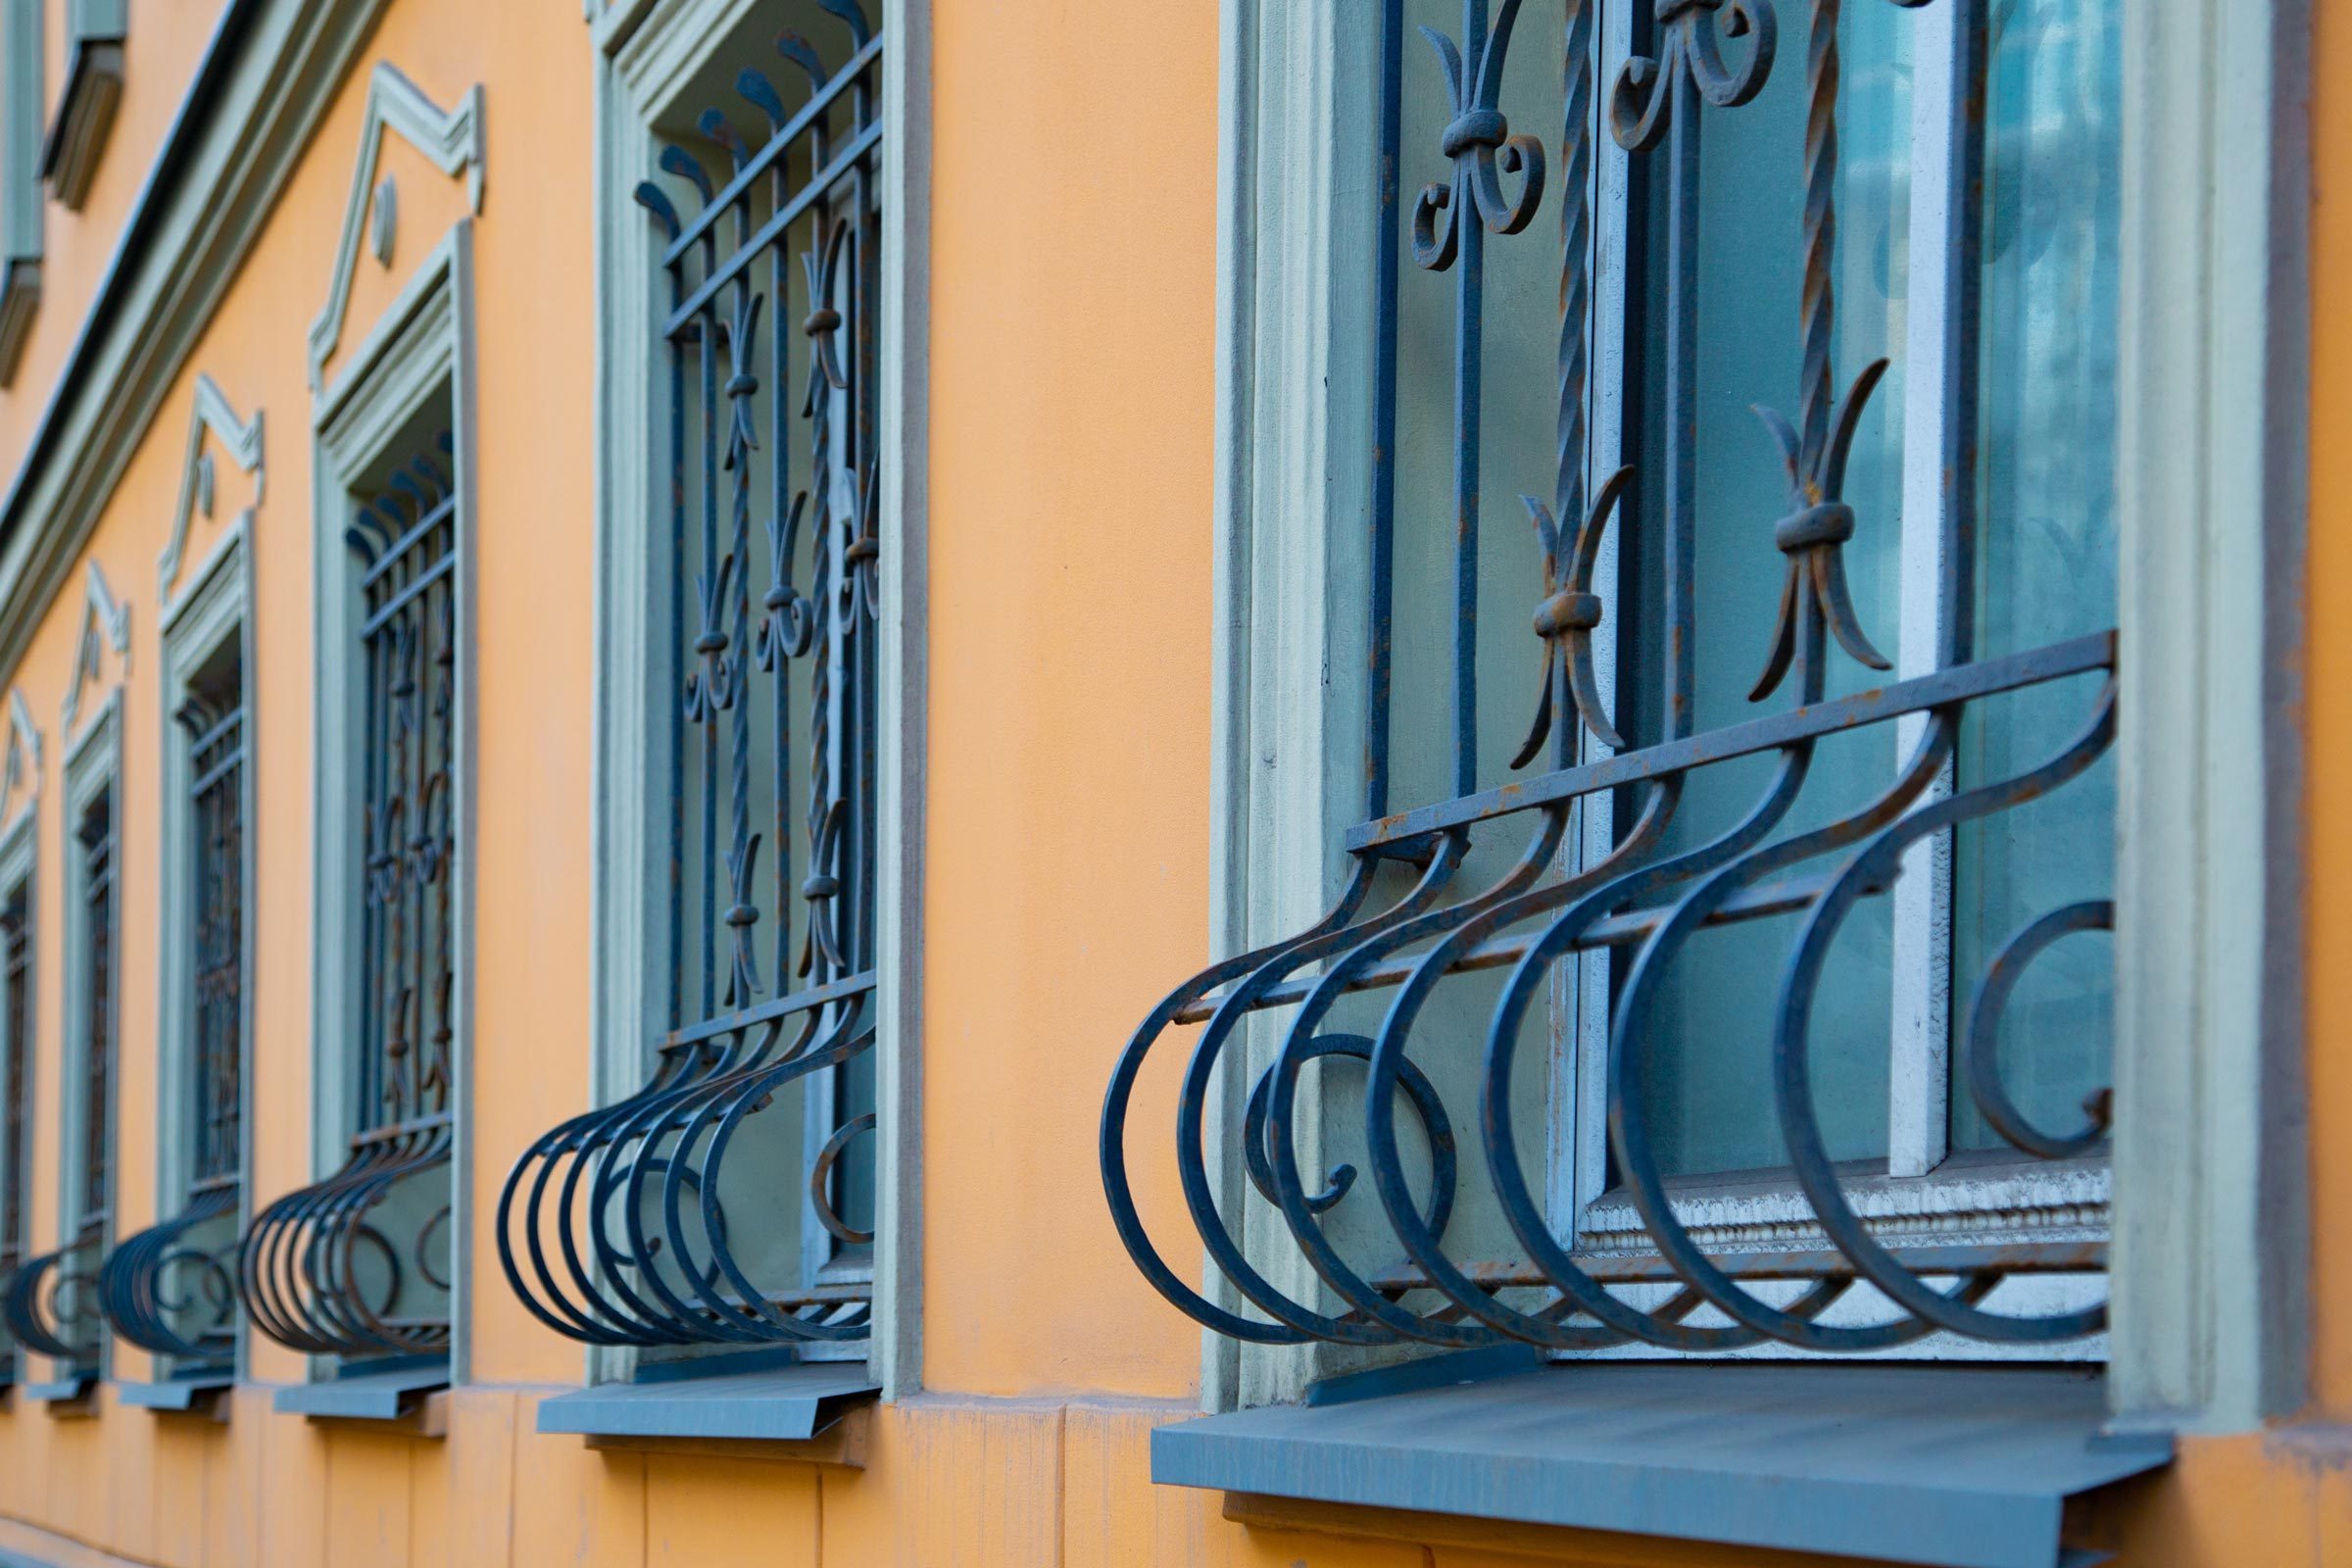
point(1073, 267)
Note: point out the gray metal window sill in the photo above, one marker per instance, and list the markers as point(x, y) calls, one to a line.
point(194, 1394)
point(1958, 1467)
point(386, 1396)
point(75, 1394)
point(767, 1404)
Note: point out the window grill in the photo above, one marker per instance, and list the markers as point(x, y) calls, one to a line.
point(172, 1289)
point(1410, 925)
point(358, 1264)
point(727, 1201)
point(52, 1303)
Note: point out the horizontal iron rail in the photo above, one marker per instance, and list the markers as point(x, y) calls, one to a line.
point(750, 250)
point(739, 185)
point(395, 553)
point(727, 1023)
point(1944, 688)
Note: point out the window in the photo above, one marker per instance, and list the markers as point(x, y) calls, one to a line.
point(358, 1266)
point(741, 708)
point(1752, 998)
point(53, 1305)
point(15, 1081)
point(85, 110)
point(171, 1288)
point(21, 107)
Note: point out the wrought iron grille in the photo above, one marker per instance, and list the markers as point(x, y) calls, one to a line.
point(1410, 925)
point(15, 983)
point(52, 1304)
point(172, 1288)
point(358, 1264)
point(724, 1200)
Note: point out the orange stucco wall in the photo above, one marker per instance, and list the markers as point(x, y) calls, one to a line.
point(1073, 276)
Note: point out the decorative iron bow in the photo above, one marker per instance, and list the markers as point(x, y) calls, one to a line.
point(1567, 616)
point(1690, 42)
point(1813, 535)
point(1480, 142)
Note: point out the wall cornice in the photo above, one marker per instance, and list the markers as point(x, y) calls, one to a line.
point(267, 78)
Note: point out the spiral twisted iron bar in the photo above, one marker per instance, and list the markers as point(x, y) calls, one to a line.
point(612, 1226)
point(1638, 900)
point(357, 1264)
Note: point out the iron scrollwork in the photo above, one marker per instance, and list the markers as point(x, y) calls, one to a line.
point(615, 1227)
point(172, 1289)
point(1640, 899)
point(358, 1264)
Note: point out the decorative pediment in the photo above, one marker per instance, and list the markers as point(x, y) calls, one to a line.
point(20, 756)
point(240, 439)
point(103, 619)
point(450, 139)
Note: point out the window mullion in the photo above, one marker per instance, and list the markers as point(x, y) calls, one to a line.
point(1938, 497)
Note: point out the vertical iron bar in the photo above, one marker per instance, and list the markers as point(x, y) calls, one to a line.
point(1388, 244)
point(1682, 404)
point(1469, 367)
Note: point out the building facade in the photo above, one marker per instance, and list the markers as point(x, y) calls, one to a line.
point(1284, 782)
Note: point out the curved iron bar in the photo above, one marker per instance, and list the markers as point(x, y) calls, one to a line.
point(614, 1226)
point(1639, 896)
point(298, 1268)
point(50, 1303)
point(169, 1294)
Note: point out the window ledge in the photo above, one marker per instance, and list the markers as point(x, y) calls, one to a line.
point(1953, 1467)
point(85, 114)
point(20, 298)
point(188, 1396)
point(74, 1395)
point(776, 1404)
point(368, 1397)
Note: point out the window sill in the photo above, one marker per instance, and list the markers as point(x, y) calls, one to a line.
point(85, 114)
point(1952, 1467)
point(401, 1396)
point(786, 1404)
point(201, 1395)
point(73, 1396)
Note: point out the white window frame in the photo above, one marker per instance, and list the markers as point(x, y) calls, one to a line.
point(420, 350)
point(2207, 1215)
point(211, 610)
point(647, 52)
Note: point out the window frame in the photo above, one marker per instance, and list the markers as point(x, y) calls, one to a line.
point(212, 610)
point(420, 350)
point(19, 866)
point(647, 52)
point(2208, 1034)
point(93, 768)
point(22, 132)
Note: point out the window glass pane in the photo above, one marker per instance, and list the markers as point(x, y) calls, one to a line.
point(2052, 177)
point(1706, 1060)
